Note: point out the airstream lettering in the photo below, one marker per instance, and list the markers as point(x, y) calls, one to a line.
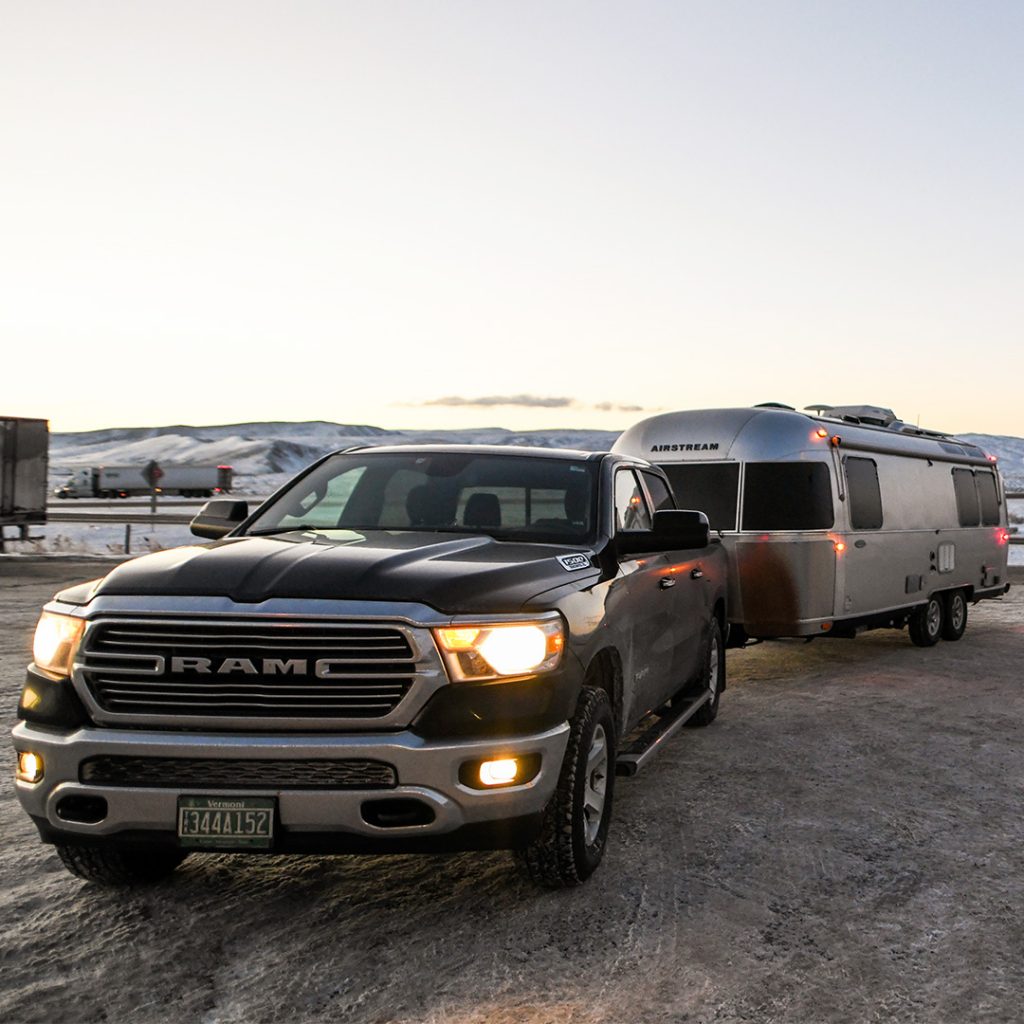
point(838, 522)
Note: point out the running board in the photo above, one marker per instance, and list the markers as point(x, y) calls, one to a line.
point(649, 742)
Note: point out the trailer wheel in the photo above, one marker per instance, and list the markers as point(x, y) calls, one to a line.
point(574, 830)
point(955, 620)
point(927, 622)
point(108, 865)
point(712, 677)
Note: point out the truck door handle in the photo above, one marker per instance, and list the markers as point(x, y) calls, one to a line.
point(697, 574)
point(666, 582)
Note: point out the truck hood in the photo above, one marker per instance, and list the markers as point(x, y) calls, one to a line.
point(454, 573)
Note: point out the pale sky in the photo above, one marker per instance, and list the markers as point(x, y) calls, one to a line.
point(223, 211)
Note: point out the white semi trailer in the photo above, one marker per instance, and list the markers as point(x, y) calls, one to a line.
point(129, 481)
point(24, 450)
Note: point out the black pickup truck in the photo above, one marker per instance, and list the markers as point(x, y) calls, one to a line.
point(406, 648)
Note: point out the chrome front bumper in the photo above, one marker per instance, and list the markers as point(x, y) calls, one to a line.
point(427, 772)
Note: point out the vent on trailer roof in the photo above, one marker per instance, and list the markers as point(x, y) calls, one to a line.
point(873, 415)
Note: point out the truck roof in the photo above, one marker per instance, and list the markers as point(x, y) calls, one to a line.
point(567, 454)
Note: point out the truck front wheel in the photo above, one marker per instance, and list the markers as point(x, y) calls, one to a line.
point(574, 830)
point(109, 865)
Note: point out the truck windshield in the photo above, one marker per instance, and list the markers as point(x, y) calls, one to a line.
point(506, 496)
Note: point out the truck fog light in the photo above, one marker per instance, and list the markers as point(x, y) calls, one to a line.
point(30, 767)
point(499, 773)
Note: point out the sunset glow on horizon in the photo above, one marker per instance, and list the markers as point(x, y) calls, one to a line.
point(527, 215)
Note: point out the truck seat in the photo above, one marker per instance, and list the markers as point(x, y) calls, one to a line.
point(482, 510)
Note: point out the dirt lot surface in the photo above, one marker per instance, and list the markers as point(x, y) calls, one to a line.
point(845, 843)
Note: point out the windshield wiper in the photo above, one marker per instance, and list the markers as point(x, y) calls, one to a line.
point(267, 531)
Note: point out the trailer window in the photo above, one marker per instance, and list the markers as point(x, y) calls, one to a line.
point(989, 498)
point(787, 496)
point(967, 509)
point(865, 496)
point(709, 488)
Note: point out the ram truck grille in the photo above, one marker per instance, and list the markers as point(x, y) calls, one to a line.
point(217, 773)
point(248, 669)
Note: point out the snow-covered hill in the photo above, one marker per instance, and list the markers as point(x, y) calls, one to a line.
point(1010, 451)
point(264, 455)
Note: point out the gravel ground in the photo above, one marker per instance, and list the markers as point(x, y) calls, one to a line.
point(844, 844)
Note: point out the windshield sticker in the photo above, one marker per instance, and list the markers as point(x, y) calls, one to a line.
point(571, 563)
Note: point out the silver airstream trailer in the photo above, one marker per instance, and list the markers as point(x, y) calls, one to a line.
point(837, 522)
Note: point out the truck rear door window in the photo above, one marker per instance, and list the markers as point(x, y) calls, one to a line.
point(968, 511)
point(865, 496)
point(711, 488)
point(989, 497)
point(787, 496)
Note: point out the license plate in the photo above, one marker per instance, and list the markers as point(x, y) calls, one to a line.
point(212, 822)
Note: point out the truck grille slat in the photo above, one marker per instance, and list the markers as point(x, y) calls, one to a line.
point(287, 635)
point(222, 670)
point(351, 648)
point(122, 687)
point(242, 706)
point(216, 773)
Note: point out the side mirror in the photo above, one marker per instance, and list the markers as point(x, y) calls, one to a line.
point(216, 519)
point(673, 530)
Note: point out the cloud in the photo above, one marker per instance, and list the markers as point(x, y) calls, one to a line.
point(527, 402)
point(614, 407)
point(486, 401)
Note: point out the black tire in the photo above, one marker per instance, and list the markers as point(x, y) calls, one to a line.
point(927, 622)
point(108, 865)
point(712, 677)
point(954, 621)
point(572, 838)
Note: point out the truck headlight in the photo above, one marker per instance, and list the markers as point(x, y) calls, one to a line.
point(490, 651)
point(56, 641)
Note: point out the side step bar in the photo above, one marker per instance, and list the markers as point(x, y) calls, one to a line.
point(650, 741)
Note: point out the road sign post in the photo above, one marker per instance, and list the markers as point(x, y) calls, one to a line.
point(153, 473)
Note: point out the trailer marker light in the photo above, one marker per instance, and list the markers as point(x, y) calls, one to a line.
point(840, 546)
point(826, 626)
point(836, 440)
point(30, 767)
point(821, 432)
point(500, 772)
point(992, 458)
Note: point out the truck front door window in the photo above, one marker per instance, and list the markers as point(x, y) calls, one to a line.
point(631, 512)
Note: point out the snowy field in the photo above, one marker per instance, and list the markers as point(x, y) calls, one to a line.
point(266, 455)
